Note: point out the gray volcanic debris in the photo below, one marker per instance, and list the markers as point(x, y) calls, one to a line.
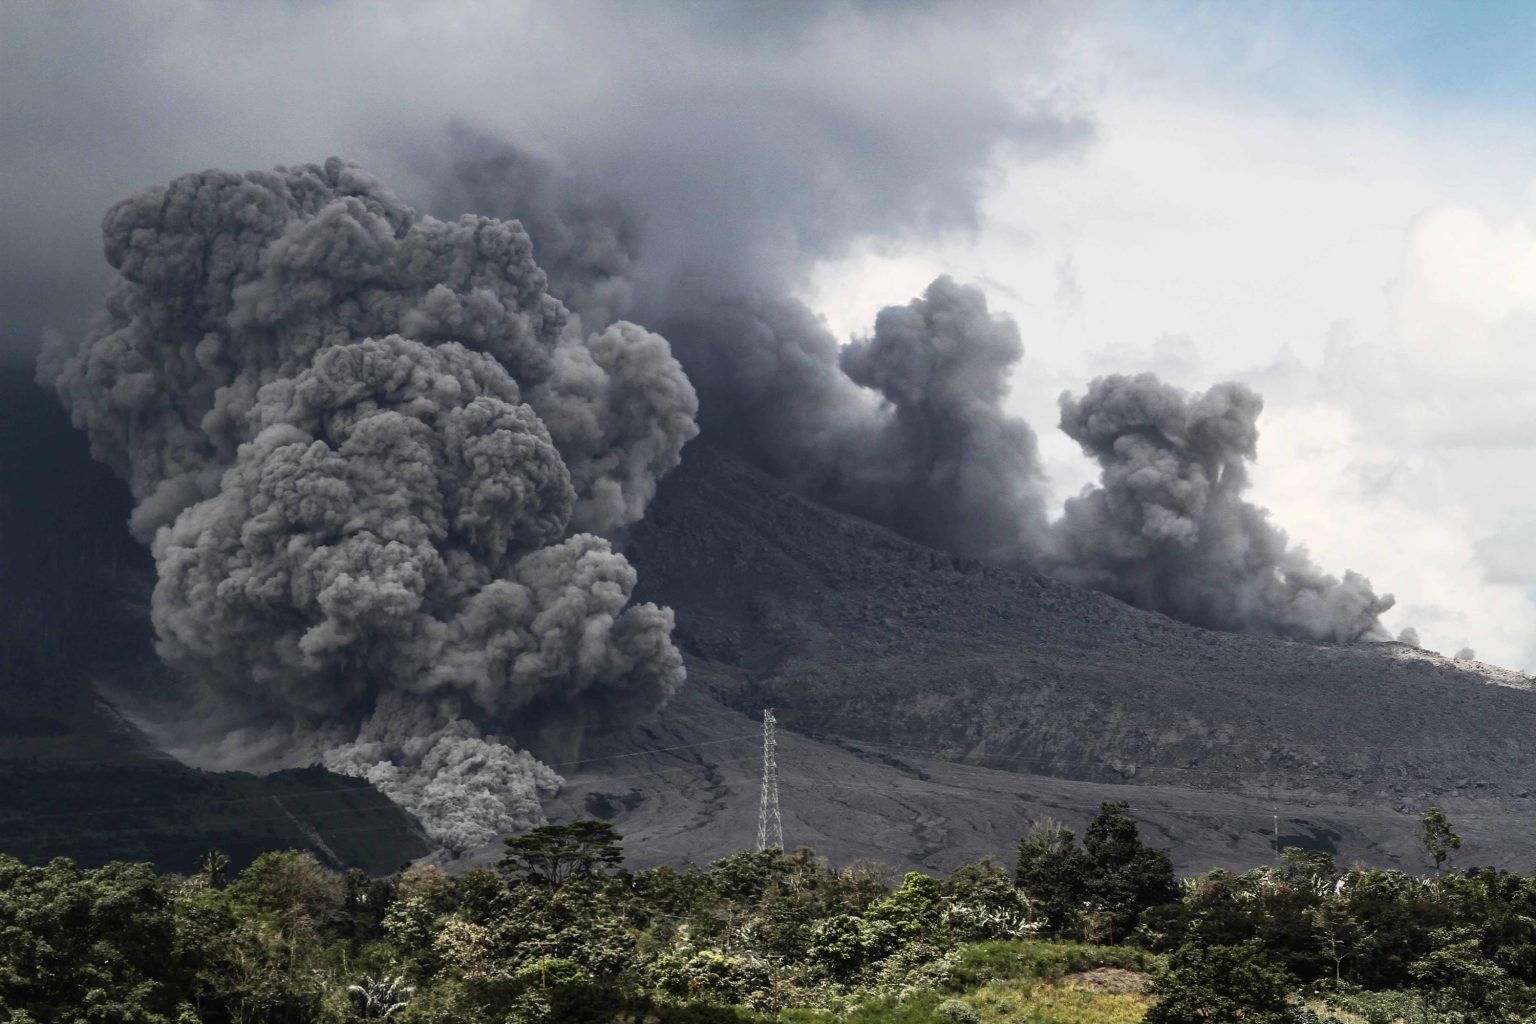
point(364, 443)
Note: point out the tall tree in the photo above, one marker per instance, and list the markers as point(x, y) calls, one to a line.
point(1439, 839)
point(214, 868)
point(1125, 875)
point(1052, 870)
point(1221, 985)
point(553, 855)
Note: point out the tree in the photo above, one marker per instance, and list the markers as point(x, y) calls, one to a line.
point(1053, 871)
point(1439, 839)
point(912, 910)
point(1221, 985)
point(1306, 868)
point(380, 998)
point(88, 945)
point(553, 855)
point(1457, 976)
point(841, 946)
point(1396, 913)
point(214, 867)
point(1125, 876)
point(1339, 932)
point(744, 877)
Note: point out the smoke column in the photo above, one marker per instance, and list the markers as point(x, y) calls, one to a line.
point(694, 194)
point(367, 447)
point(1168, 528)
point(906, 427)
point(948, 467)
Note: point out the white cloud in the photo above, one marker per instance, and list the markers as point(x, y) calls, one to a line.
point(1372, 272)
point(1395, 516)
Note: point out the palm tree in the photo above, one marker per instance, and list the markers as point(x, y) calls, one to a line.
point(213, 867)
point(380, 998)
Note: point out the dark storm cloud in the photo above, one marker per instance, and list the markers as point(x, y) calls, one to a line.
point(741, 105)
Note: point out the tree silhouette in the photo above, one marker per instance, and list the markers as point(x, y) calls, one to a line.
point(553, 855)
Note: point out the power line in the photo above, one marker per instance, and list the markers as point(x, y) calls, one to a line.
point(950, 757)
point(768, 812)
point(360, 785)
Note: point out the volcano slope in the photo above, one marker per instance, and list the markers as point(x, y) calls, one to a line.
point(77, 778)
point(930, 709)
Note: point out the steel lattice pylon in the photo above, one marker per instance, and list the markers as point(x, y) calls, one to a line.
point(770, 829)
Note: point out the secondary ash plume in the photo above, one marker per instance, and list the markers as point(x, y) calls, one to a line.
point(950, 467)
point(904, 428)
point(364, 443)
point(1168, 528)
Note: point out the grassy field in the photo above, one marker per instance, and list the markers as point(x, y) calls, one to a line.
point(1017, 983)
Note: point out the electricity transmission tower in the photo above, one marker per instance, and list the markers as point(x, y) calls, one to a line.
point(770, 829)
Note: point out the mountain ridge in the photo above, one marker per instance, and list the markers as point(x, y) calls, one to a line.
point(892, 665)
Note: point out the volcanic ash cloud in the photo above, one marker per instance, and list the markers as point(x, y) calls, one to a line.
point(908, 426)
point(365, 445)
point(1168, 528)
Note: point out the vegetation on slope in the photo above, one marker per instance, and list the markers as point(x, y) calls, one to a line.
point(562, 933)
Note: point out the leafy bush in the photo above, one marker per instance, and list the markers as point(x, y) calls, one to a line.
point(842, 946)
point(1222, 985)
point(956, 1012)
point(710, 975)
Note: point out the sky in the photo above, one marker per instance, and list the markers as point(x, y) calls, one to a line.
point(1335, 203)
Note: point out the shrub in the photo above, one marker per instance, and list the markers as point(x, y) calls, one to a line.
point(1221, 985)
point(912, 911)
point(709, 974)
point(840, 947)
point(957, 1012)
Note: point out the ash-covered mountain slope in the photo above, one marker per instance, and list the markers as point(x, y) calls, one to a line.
point(851, 631)
point(931, 707)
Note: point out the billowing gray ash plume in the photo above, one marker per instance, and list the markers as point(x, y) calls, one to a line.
point(1168, 527)
point(366, 445)
point(906, 427)
point(948, 467)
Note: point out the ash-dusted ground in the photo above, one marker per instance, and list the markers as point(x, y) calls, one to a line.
point(930, 708)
